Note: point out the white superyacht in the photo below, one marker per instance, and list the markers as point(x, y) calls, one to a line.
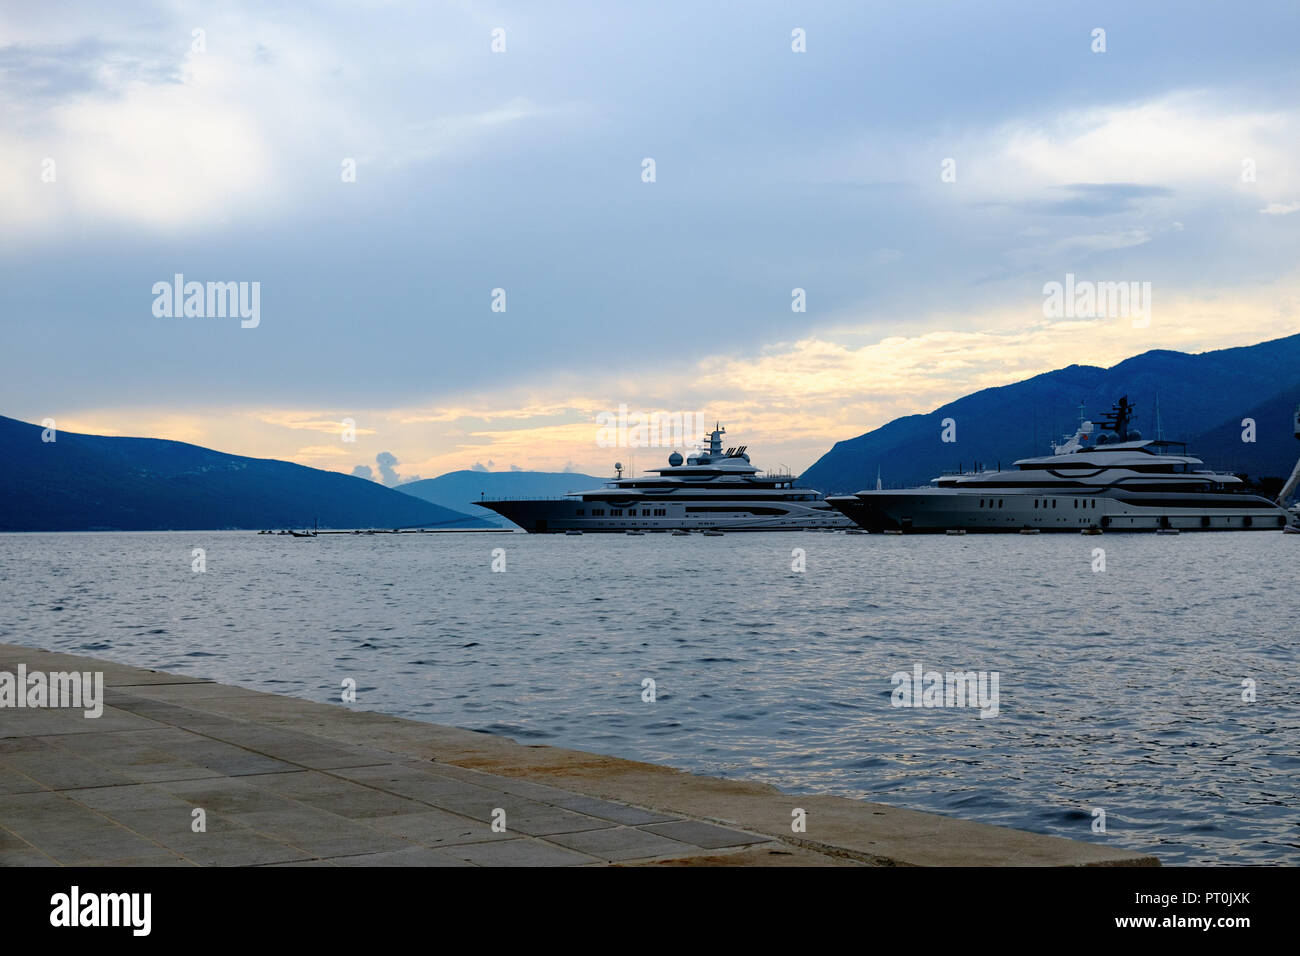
point(711, 491)
point(1106, 476)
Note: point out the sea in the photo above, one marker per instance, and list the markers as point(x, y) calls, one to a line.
point(1147, 686)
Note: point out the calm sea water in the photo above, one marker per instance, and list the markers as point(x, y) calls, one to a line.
point(1119, 690)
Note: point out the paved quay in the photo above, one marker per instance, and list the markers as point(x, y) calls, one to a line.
point(287, 782)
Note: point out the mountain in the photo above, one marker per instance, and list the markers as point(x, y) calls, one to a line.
point(96, 483)
point(459, 489)
point(1272, 454)
point(1203, 399)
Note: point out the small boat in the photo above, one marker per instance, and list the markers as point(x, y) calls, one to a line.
point(573, 531)
point(305, 534)
point(710, 533)
point(1029, 531)
point(855, 531)
point(1291, 529)
point(680, 533)
point(893, 531)
point(630, 531)
point(1091, 529)
point(955, 531)
point(1167, 531)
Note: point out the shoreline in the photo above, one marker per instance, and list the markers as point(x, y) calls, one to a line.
point(286, 781)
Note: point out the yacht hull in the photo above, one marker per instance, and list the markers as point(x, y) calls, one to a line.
point(935, 510)
point(557, 516)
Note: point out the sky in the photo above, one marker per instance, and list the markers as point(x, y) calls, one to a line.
point(920, 171)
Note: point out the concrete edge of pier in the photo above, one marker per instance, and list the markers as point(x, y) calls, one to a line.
point(295, 782)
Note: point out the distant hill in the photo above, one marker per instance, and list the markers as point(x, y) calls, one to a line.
point(96, 483)
point(1272, 454)
point(458, 489)
point(1203, 399)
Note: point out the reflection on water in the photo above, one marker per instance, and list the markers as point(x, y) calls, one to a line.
point(1119, 690)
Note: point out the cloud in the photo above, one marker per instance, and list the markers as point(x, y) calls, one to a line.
point(313, 421)
point(1073, 248)
point(478, 466)
point(51, 72)
point(422, 142)
point(363, 471)
point(147, 131)
point(387, 463)
point(1281, 209)
point(323, 451)
point(1122, 153)
point(1095, 199)
point(169, 147)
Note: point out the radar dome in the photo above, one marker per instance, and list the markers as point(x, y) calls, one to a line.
point(1103, 437)
point(1135, 435)
point(674, 459)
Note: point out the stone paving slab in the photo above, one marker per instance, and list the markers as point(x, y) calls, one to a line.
point(286, 782)
point(413, 856)
point(614, 844)
point(435, 828)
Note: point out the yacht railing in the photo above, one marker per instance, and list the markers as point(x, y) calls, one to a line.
point(476, 501)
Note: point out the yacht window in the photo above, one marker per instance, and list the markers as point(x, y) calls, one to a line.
point(616, 512)
point(1053, 502)
point(597, 512)
point(1076, 502)
point(1035, 502)
point(645, 512)
point(999, 502)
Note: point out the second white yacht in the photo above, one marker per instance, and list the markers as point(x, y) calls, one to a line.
point(1104, 477)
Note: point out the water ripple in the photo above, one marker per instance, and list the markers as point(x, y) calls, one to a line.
point(1119, 691)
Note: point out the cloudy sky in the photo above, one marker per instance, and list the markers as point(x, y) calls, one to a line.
point(212, 140)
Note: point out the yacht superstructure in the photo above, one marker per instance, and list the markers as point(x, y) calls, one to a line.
point(712, 490)
point(1103, 476)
